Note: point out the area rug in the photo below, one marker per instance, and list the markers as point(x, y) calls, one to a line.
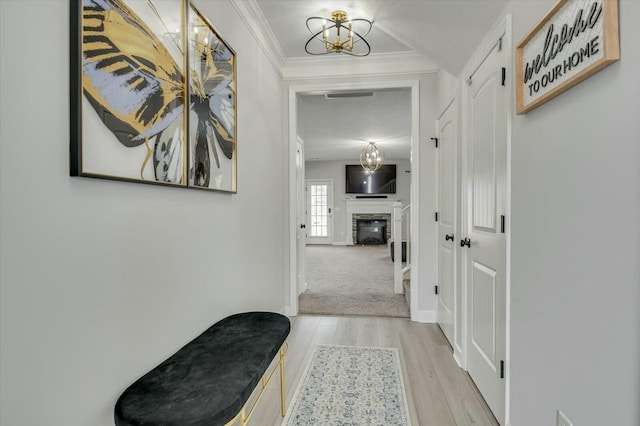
point(350, 386)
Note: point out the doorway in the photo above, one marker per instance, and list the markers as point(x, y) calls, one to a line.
point(447, 221)
point(294, 93)
point(319, 211)
point(484, 238)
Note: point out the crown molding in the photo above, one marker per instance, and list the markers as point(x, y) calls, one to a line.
point(378, 64)
point(255, 21)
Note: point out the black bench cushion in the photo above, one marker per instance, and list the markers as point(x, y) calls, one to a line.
point(209, 380)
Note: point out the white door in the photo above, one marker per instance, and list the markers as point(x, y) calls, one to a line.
point(446, 220)
point(484, 243)
point(300, 219)
point(319, 211)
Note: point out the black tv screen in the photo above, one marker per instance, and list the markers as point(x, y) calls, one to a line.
point(361, 181)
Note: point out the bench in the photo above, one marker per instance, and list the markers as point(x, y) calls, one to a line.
point(210, 380)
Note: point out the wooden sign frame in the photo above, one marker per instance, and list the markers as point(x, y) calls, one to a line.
point(560, 64)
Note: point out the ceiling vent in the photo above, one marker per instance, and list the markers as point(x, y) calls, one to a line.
point(339, 95)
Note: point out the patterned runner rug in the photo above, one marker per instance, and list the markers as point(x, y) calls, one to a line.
point(350, 386)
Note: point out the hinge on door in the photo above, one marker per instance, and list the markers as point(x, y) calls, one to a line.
point(504, 75)
point(502, 224)
point(436, 216)
point(436, 289)
point(499, 44)
point(435, 140)
point(502, 369)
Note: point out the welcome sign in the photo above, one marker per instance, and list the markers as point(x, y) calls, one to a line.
point(576, 39)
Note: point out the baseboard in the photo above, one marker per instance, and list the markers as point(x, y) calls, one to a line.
point(424, 316)
point(339, 243)
point(304, 288)
point(456, 357)
point(286, 311)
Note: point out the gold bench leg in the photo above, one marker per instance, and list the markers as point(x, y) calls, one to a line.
point(243, 417)
point(282, 396)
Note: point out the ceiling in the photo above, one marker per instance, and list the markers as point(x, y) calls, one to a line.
point(338, 128)
point(443, 32)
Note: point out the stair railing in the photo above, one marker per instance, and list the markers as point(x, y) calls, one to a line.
point(401, 236)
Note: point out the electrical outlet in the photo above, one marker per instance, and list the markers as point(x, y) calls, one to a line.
point(563, 420)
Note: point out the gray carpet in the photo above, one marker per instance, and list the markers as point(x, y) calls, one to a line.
point(351, 280)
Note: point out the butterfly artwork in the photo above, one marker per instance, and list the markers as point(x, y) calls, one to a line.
point(138, 115)
point(212, 106)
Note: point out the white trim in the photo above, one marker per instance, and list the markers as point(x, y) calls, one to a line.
point(339, 243)
point(293, 186)
point(256, 23)
point(507, 44)
point(414, 85)
point(396, 232)
point(424, 316)
point(456, 357)
point(414, 255)
point(379, 64)
point(286, 311)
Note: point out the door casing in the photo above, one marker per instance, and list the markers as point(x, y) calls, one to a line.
point(291, 306)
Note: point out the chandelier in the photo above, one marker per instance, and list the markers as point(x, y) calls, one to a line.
point(371, 157)
point(338, 35)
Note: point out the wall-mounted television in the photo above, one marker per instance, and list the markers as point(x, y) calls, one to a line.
point(361, 181)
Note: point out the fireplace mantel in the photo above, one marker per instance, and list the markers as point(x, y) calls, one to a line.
point(366, 206)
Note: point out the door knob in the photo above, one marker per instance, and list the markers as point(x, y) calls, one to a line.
point(448, 237)
point(465, 242)
point(302, 226)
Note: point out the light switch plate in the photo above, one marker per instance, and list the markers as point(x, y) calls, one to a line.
point(563, 420)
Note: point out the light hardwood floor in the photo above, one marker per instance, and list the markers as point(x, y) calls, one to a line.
point(439, 393)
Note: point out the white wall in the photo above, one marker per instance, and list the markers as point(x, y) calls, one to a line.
point(335, 170)
point(575, 235)
point(101, 280)
point(575, 274)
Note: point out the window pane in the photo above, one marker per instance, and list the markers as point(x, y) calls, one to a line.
point(318, 211)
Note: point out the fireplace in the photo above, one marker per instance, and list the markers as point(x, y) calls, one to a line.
point(370, 231)
point(385, 218)
point(371, 209)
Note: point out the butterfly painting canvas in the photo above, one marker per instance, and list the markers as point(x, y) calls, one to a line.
point(153, 95)
point(212, 99)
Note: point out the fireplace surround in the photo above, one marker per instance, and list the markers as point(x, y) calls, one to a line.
point(372, 209)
